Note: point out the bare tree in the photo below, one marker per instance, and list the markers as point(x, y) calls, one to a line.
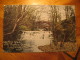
point(19, 13)
point(69, 12)
point(55, 18)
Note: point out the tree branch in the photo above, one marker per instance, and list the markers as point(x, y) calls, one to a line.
point(15, 25)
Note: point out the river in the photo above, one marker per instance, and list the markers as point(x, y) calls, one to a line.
point(33, 39)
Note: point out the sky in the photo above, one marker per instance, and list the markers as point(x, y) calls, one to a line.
point(44, 10)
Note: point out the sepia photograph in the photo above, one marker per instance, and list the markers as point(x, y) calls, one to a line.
point(39, 28)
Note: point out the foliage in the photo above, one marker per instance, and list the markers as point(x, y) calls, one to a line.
point(17, 17)
point(23, 28)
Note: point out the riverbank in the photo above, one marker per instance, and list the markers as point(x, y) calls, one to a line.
point(68, 46)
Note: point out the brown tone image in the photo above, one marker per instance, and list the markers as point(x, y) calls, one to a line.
point(40, 56)
point(39, 28)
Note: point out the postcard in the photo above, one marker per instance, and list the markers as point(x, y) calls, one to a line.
point(39, 28)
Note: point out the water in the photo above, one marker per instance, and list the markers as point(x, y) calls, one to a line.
point(33, 39)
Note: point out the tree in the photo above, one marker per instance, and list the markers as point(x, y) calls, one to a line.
point(15, 16)
point(69, 11)
point(55, 18)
